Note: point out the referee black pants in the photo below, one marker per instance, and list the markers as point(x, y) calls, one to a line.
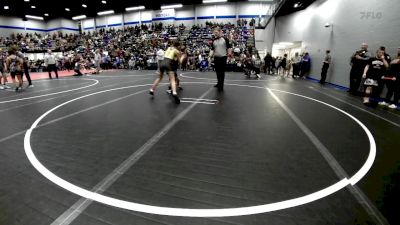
point(393, 89)
point(355, 79)
point(28, 76)
point(324, 72)
point(50, 68)
point(220, 65)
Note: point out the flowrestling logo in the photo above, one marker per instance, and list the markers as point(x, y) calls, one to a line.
point(370, 15)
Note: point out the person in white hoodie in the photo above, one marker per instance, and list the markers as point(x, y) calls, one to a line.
point(97, 60)
point(131, 63)
point(50, 62)
point(160, 57)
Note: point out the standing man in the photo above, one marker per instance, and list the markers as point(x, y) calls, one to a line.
point(305, 66)
point(50, 61)
point(268, 62)
point(393, 84)
point(373, 72)
point(97, 60)
point(358, 62)
point(3, 74)
point(160, 57)
point(296, 63)
point(221, 48)
point(325, 66)
point(381, 82)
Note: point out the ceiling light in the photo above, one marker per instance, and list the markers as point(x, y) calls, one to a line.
point(297, 5)
point(260, 0)
point(285, 43)
point(135, 8)
point(6, 7)
point(213, 1)
point(46, 14)
point(104, 2)
point(34, 17)
point(81, 17)
point(67, 9)
point(26, 0)
point(33, 7)
point(105, 12)
point(84, 6)
point(171, 6)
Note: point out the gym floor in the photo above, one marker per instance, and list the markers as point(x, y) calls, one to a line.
point(262, 142)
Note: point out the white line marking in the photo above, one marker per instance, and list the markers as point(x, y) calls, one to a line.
point(39, 90)
point(84, 110)
point(199, 102)
point(38, 96)
point(200, 99)
point(333, 163)
point(359, 108)
point(213, 79)
point(75, 210)
point(119, 76)
point(62, 96)
point(200, 212)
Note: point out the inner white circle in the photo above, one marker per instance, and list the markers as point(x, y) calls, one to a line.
point(227, 80)
point(54, 93)
point(200, 212)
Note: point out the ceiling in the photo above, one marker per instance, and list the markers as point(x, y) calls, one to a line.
point(56, 8)
point(288, 6)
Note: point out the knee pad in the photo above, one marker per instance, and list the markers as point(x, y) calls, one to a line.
point(368, 91)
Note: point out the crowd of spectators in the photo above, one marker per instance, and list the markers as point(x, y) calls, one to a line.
point(132, 47)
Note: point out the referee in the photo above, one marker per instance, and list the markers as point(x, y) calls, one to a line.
point(221, 48)
point(50, 61)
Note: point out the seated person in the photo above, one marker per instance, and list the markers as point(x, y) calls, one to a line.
point(77, 68)
point(204, 64)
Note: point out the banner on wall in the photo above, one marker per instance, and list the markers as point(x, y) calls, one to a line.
point(164, 13)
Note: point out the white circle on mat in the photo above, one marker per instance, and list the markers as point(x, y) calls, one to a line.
point(185, 212)
point(54, 93)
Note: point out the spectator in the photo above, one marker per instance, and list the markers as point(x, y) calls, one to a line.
point(358, 62)
point(305, 66)
point(296, 62)
point(393, 84)
point(50, 62)
point(131, 63)
point(373, 72)
point(325, 65)
point(268, 63)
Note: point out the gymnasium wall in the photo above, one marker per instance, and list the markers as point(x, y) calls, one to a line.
point(188, 15)
point(265, 37)
point(10, 25)
point(353, 22)
point(63, 25)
